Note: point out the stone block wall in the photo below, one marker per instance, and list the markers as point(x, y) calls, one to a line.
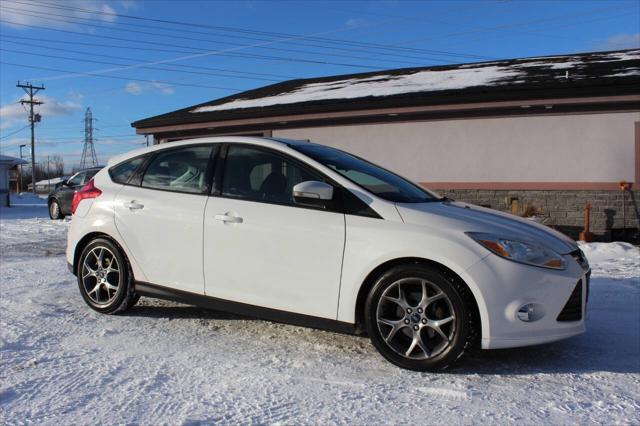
point(565, 210)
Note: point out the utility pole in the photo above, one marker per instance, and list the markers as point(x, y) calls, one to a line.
point(22, 158)
point(89, 157)
point(31, 91)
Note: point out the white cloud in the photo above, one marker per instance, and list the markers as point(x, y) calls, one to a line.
point(133, 88)
point(621, 41)
point(14, 113)
point(163, 87)
point(355, 22)
point(35, 14)
point(136, 88)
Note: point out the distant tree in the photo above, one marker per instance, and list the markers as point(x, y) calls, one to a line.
point(56, 167)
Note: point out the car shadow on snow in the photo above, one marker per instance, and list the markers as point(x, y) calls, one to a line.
point(596, 351)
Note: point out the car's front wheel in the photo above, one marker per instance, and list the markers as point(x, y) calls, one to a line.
point(54, 210)
point(104, 278)
point(417, 317)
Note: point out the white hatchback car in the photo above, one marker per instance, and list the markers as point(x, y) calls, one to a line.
point(302, 233)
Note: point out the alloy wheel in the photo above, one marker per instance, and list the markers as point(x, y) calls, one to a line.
point(416, 318)
point(54, 210)
point(101, 275)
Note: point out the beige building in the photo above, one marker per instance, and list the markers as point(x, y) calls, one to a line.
point(538, 134)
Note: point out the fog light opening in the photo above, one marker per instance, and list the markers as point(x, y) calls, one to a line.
point(526, 312)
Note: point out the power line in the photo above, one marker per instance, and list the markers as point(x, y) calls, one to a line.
point(91, 74)
point(391, 47)
point(13, 133)
point(278, 49)
point(144, 67)
point(83, 21)
point(204, 52)
point(94, 45)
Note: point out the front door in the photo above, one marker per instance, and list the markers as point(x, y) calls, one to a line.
point(262, 249)
point(160, 220)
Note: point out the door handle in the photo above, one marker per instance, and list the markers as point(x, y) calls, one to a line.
point(226, 218)
point(134, 205)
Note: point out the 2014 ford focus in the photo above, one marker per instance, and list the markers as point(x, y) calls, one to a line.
point(306, 234)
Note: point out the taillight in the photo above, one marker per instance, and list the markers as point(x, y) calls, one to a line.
point(87, 191)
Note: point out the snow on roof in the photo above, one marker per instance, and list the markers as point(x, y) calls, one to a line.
point(428, 80)
point(552, 77)
point(11, 160)
point(380, 85)
point(51, 181)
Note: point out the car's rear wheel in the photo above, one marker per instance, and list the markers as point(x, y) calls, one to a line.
point(417, 318)
point(54, 210)
point(104, 278)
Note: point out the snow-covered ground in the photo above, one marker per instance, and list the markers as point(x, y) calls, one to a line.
point(165, 363)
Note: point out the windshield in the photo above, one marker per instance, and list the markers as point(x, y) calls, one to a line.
point(373, 178)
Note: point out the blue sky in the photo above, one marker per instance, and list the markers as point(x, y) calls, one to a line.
point(217, 48)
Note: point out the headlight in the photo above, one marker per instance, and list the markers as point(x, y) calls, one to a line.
point(520, 251)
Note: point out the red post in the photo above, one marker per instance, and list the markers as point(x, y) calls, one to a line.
point(585, 235)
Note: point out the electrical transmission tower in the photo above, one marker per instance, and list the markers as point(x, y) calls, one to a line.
point(31, 91)
point(89, 157)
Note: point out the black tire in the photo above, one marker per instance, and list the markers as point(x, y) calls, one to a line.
point(445, 346)
point(117, 300)
point(55, 213)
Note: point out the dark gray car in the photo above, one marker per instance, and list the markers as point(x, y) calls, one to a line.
point(60, 199)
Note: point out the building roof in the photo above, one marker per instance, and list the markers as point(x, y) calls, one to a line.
point(11, 161)
point(550, 77)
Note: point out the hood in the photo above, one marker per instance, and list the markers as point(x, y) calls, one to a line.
point(471, 218)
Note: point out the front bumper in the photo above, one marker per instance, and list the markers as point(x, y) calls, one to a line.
point(508, 286)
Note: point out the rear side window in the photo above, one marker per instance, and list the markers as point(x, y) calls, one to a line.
point(76, 180)
point(180, 170)
point(89, 175)
point(123, 171)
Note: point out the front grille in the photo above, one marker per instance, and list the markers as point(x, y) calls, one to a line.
point(572, 310)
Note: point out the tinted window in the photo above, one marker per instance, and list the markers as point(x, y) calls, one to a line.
point(261, 175)
point(123, 171)
point(76, 179)
point(182, 170)
point(89, 174)
point(375, 179)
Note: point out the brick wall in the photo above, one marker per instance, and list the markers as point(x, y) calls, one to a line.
point(565, 210)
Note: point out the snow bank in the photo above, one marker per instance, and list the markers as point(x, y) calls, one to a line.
point(618, 259)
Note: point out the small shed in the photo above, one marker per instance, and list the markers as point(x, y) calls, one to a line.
point(6, 164)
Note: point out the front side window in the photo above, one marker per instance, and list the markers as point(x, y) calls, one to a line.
point(261, 175)
point(180, 170)
point(375, 179)
point(123, 171)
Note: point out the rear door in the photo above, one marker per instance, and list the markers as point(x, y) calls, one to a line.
point(160, 216)
point(261, 248)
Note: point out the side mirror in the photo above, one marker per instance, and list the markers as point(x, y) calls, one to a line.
point(312, 193)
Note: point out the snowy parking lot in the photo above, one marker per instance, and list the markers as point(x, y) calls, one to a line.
point(166, 363)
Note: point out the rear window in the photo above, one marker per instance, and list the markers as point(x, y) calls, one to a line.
point(123, 171)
